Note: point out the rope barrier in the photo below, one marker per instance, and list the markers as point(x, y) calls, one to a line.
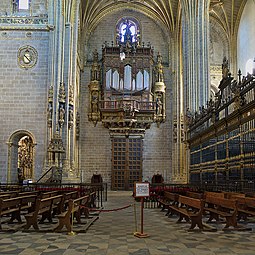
point(109, 210)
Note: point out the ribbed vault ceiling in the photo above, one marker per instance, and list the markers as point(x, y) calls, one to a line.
point(226, 12)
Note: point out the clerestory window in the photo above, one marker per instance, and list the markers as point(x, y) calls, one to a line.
point(128, 29)
point(21, 6)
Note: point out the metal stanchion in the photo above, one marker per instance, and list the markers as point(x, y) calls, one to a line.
point(72, 233)
point(135, 217)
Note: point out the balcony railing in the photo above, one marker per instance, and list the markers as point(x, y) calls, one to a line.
point(127, 104)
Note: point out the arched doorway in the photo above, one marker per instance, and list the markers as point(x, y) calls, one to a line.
point(21, 156)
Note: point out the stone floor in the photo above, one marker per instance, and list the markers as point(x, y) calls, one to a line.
point(112, 234)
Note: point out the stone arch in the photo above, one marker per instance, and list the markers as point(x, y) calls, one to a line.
point(14, 160)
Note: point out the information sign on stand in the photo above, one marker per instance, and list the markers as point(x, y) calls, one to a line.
point(141, 190)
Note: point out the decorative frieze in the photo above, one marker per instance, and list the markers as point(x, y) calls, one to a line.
point(24, 20)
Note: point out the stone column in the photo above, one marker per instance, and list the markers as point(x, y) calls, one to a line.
point(191, 77)
point(69, 76)
point(195, 21)
point(55, 77)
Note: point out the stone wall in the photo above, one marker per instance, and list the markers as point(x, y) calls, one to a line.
point(246, 38)
point(23, 94)
point(37, 7)
point(95, 140)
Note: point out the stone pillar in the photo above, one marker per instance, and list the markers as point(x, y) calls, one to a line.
point(179, 166)
point(192, 78)
point(56, 37)
point(69, 77)
point(195, 21)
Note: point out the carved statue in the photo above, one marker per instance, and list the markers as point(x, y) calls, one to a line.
point(71, 94)
point(49, 112)
point(61, 115)
point(70, 115)
point(77, 124)
point(50, 94)
point(159, 69)
point(62, 93)
point(95, 71)
point(225, 69)
point(94, 101)
point(159, 104)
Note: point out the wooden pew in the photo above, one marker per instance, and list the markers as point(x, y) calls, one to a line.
point(48, 194)
point(245, 207)
point(28, 193)
point(43, 207)
point(66, 197)
point(8, 194)
point(75, 207)
point(168, 199)
point(213, 194)
point(233, 195)
point(195, 195)
point(192, 209)
point(92, 199)
point(222, 207)
point(14, 207)
point(5, 196)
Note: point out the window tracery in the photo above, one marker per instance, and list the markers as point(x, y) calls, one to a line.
point(128, 31)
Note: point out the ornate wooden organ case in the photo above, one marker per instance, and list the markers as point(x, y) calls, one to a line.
point(127, 93)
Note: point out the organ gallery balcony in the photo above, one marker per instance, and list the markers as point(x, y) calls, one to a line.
point(127, 113)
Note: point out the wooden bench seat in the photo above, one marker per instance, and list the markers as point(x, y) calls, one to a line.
point(66, 197)
point(43, 207)
point(168, 199)
point(233, 195)
point(75, 208)
point(28, 193)
point(245, 207)
point(8, 194)
point(222, 207)
point(190, 209)
point(14, 207)
point(213, 194)
point(194, 195)
point(48, 194)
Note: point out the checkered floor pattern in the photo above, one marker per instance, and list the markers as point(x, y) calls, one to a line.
point(112, 234)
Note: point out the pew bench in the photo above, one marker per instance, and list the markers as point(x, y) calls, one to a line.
point(48, 194)
point(213, 194)
point(75, 207)
point(222, 207)
point(245, 207)
point(43, 207)
point(196, 195)
point(167, 200)
point(26, 205)
point(190, 209)
point(66, 197)
point(14, 207)
point(233, 195)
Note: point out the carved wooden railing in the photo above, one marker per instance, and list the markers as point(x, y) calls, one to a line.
point(127, 104)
